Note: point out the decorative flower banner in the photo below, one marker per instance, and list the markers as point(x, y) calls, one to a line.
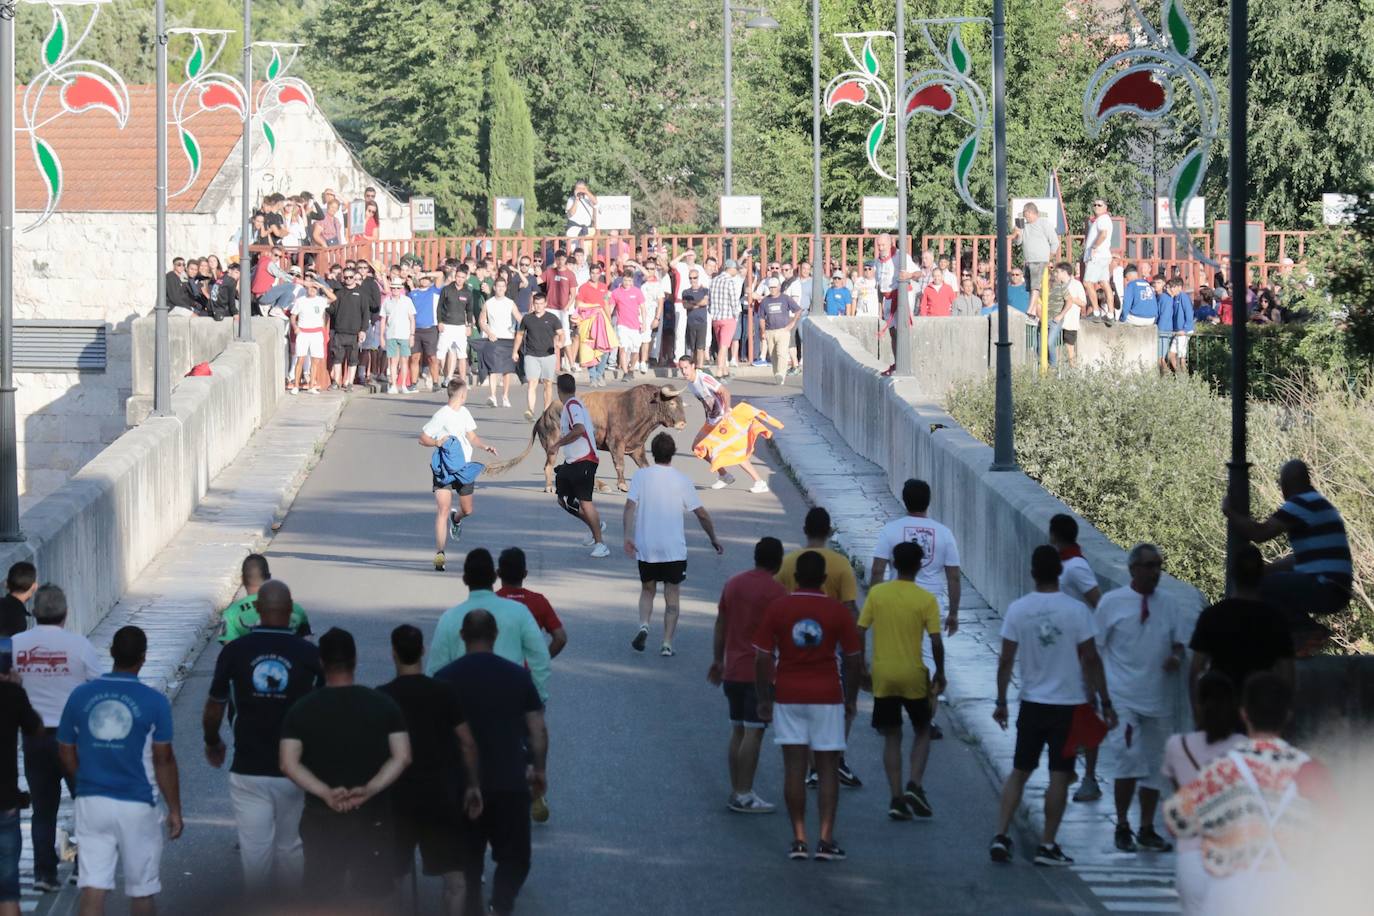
point(1145, 87)
point(85, 85)
point(205, 89)
point(279, 91)
point(946, 90)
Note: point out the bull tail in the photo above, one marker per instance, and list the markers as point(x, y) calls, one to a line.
point(502, 467)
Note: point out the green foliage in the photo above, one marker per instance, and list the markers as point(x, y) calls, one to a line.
point(1144, 459)
point(508, 151)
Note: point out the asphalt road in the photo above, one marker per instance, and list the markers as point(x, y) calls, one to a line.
point(637, 771)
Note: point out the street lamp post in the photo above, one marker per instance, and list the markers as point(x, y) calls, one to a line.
point(1003, 445)
point(761, 20)
point(162, 366)
point(1238, 478)
point(245, 323)
point(902, 318)
point(817, 268)
point(9, 451)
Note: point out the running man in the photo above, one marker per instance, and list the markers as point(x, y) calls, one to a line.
point(575, 478)
point(715, 400)
point(452, 422)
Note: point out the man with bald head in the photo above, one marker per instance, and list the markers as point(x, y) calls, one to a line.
point(502, 707)
point(892, 266)
point(1316, 577)
point(262, 674)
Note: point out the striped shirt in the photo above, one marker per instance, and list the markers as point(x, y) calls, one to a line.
point(1317, 535)
point(725, 295)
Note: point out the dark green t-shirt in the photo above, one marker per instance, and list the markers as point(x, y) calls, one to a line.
point(344, 732)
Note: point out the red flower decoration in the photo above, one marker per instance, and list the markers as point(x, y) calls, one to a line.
point(1137, 90)
point(87, 91)
point(292, 94)
point(852, 91)
point(935, 98)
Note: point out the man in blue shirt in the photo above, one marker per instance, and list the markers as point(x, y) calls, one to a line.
point(1183, 325)
point(1018, 297)
point(838, 299)
point(1138, 305)
point(426, 300)
point(109, 728)
point(1164, 326)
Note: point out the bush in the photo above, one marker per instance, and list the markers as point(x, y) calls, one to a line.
point(1144, 458)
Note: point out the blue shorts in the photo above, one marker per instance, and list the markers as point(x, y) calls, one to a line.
point(1165, 342)
point(11, 844)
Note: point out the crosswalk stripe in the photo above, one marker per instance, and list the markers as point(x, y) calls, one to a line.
point(1131, 906)
point(1135, 892)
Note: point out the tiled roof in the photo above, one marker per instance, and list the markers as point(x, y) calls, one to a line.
point(105, 168)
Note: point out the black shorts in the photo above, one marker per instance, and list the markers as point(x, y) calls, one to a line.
point(1041, 725)
point(436, 828)
point(462, 489)
point(575, 480)
point(349, 855)
point(1070, 337)
point(671, 573)
point(887, 713)
point(744, 704)
point(343, 346)
point(426, 342)
point(698, 335)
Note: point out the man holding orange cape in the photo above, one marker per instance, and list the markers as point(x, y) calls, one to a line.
point(727, 437)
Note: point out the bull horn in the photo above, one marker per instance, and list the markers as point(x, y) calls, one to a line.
point(668, 391)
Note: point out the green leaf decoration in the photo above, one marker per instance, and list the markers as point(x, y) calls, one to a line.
point(964, 161)
point(1186, 182)
point(51, 167)
point(870, 59)
point(57, 39)
point(1178, 28)
point(196, 61)
point(875, 136)
point(192, 148)
point(274, 67)
point(958, 54)
point(271, 137)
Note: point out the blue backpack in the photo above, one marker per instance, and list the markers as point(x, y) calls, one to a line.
point(448, 467)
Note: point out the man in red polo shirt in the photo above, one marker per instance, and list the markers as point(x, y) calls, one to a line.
point(559, 285)
point(937, 300)
point(805, 699)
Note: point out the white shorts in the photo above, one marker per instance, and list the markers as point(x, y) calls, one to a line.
point(310, 343)
point(1137, 744)
point(454, 338)
point(630, 338)
point(1097, 271)
point(110, 832)
point(562, 316)
point(1179, 347)
point(819, 726)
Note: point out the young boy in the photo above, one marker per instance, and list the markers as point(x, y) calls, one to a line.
point(452, 421)
point(1184, 323)
point(20, 584)
point(1164, 325)
point(241, 616)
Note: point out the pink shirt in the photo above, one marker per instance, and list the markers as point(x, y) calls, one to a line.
point(627, 300)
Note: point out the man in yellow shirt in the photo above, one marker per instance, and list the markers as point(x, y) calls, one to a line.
point(841, 585)
point(899, 612)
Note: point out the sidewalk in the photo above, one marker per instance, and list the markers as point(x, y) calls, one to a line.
point(178, 597)
point(856, 493)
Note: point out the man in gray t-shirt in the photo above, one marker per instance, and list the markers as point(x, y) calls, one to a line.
point(1039, 245)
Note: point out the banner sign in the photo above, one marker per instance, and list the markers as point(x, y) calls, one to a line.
point(741, 212)
point(1194, 217)
point(613, 213)
point(422, 214)
point(879, 213)
point(509, 214)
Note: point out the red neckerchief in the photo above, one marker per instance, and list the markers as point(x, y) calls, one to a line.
point(1069, 552)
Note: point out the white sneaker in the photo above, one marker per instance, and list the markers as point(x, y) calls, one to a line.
point(491, 401)
point(749, 803)
point(392, 389)
point(723, 482)
point(782, 379)
point(505, 402)
point(591, 540)
point(760, 486)
point(601, 551)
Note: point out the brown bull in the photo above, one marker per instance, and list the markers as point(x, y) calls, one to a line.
point(623, 421)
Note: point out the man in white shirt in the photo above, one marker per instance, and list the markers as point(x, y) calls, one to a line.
point(939, 573)
point(581, 212)
point(1069, 317)
point(307, 325)
point(656, 290)
point(1140, 636)
point(575, 478)
point(452, 425)
point(682, 268)
point(53, 661)
point(715, 403)
point(654, 536)
point(1080, 583)
point(1052, 636)
point(892, 267)
point(1097, 262)
point(398, 330)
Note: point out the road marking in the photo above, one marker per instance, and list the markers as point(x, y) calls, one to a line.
point(1131, 890)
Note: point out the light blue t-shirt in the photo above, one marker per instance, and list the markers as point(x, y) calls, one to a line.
point(837, 300)
point(113, 722)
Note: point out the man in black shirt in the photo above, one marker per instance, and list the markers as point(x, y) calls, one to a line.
point(260, 676)
point(458, 308)
point(349, 315)
point(20, 584)
point(16, 715)
point(178, 290)
point(431, 803)
point(345, 745)
point(1243, 634)
point(542, 335)
point(502, 707)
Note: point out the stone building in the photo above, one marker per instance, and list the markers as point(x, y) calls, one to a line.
point(93, 261)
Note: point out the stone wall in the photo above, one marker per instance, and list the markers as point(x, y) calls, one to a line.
point(97, 531)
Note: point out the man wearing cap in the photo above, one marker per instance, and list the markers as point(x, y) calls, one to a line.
point(778, 315)
point(726, 288)
point(838, 298)
point(308, 327)
point(398, 330)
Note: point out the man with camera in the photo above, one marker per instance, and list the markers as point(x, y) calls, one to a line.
point(581, 212)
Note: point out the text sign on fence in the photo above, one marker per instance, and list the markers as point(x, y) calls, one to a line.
point(509, 214)
point(422, 214)
point(879, 213)
point(1193, 218)
point(1048, 207)
point(741, 212)
point(613, 213)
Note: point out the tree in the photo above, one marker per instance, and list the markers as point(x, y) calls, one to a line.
point(508, 150)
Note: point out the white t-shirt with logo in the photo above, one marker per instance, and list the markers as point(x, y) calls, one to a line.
point(1100, 228)
point(661, 495)
point(1077, 579)
point(937, 547)
point(399, 313)
point(1075, 297)
point(1048, 628)
point(53, 662)
point(1134, 651)
point(309, 312)
point(580, 449)
point(456, 422)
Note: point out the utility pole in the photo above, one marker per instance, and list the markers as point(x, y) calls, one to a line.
point(1003, 446)
point(902, 318)
point(9, 448)
point(162, 366)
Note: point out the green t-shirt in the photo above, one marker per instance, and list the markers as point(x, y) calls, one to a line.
point(242, 616)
